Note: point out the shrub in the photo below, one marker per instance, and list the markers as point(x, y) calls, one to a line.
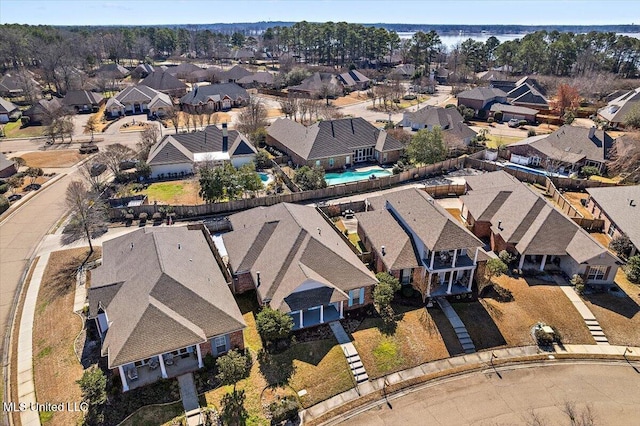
point(3, 188)
point(273, 325)
point(543, 338)
point(522, 123)
point(531, 133)
point(409, 97)
point(506, 257)
point(407, 291)
point(284, 409)
point(498, 116)
point(490, 120)
point(24, 121)
point(450, 106)
point(4, 203)
point(589, 171)
point(93, 385)
point(632, 269)
point(143, 216)
point(621, 245)
point(578, 283)
point(502, 294)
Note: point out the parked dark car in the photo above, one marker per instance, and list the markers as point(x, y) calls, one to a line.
point(14, 197)
point(88, 148)
point(32, 187)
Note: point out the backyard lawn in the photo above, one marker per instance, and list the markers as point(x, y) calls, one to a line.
point(491, 323)
point(179, 192)
point(494, 141)
point(13, 130)
point(416, 340)
point(55, 365)
point(618, 315)
point(53, 159)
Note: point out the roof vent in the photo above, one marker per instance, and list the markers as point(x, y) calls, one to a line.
point(131, 246)
point(319, 231)
point(258, 278)
point(179, 247)
point(383, 250)
point(500, 225)
point(631, 203)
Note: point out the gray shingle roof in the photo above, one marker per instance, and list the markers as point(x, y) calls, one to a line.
point(184, 68)
point(331, 137)
point(513, 109)
point(234, 73)
point(162, 290)
point(617, 204)
point(289, 245)
point(82, 97)
point(201, 94)
point(261, 77)
point(113, 70)
point(7, 107)
point(315, 83)
point(571, 144)
point(617, 109)
point(5, 163)
point(482, 94)
point(352, 78)
point(163, 81)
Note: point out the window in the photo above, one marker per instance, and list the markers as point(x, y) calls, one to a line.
point(384, 157)
point(347, 159)
point(612, 229)
point(405, 276)
point(356, 296)
point(317, 162)
point(535, 161)
point(596, 272)
point(331, 162)
point(220, 343)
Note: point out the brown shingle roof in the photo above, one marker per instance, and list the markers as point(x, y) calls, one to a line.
point(155, 298)
point(289, 245)
point(622, 205)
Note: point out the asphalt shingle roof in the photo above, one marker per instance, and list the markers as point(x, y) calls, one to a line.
point(331, 137)
point(617, 109)
point(162, 290)
point(7, 107)
point(82, 97)
point(201, 94)
point(163, 81)
point(622, 205)
point(482, 94)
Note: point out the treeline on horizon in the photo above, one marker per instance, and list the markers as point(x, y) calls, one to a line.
point(329, 44)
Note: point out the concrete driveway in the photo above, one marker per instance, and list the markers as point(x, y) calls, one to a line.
point(522, 394)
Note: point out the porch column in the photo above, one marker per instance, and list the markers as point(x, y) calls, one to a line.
point(455, 256)
point(301, 320)
point(341, 306)
point(521, 261)
point(433, 255)
point(123, 378)
point(450, 282)
point(470, 280)
point(544, 260)
point(429, 285)
point(321, 314)
point(475, 257)
point(199, 353)
point(163, 369)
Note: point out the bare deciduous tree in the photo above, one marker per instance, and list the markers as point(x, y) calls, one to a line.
point(88, 214)
point(93, 174)
point(252, 118)
point(149, 137)
point(289, 107)
point(114, 155)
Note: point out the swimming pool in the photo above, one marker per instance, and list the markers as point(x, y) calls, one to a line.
point(530, 170)
point(346, 177)
point(266, 178)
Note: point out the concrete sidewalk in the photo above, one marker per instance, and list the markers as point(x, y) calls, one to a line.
point(448, 366)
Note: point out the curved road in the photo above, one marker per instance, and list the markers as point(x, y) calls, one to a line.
point(523, 394)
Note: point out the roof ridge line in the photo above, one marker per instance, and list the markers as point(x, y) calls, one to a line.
point(175, 315)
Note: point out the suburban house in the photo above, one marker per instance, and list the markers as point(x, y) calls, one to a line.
point(456, 133)
point(512, 217)
point(333, 144)
point(138, 99)
point(404, 70)
point(259, 79)
point(297, 263)
point(82, 101)
point(526, 95)
point(143, 70)
point(616, 110)
point(7, 167)
point(354, 80)
point(232, 75)
point(183, 70)
point(214, 97)
point(319, 85)
point(566, 150)
point(113, 71)
point(8, 111)
point(43, 110)
point(512, 112)
point(480, 99)
point(178, 154)
point(419, 242)
point(164, 82)
point(14, 84)
point(618, 207)
point(161, 304)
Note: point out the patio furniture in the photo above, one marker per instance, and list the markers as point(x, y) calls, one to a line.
point(132, 373)
point(153, 363)
point(168, 359)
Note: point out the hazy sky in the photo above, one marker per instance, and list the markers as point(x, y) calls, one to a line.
point(142, 12)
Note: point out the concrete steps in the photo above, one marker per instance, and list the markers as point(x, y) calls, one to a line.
point(461, 331)
point(351, 354)
point(596, 331)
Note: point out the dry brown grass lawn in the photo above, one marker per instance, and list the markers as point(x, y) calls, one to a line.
point(574, 198)
point(350, 99)
point(601, 237)
point(618, 316)
point(55, 365)
point(415, 341)
point(455, 213)
point(53, 159)
point(542, 302)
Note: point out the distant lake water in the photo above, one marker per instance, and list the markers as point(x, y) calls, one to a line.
point(452, 40)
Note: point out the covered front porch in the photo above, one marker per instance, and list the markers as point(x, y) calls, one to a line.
point(540, 262)
point(452, 282)
point(167, 365)
point(317, 315)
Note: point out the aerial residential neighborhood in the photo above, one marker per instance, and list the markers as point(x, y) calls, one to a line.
point(292, 215)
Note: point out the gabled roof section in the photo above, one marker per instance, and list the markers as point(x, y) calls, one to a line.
point(7, 107)
point(163, 81)
point(482, 94)
point(82, 97)
point(617, 109)
point(622, 205)
point(201, 94)
point(288, 244)
point(162, 290)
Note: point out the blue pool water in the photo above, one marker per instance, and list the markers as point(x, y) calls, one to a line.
point(264, 177)
point(530, 170)
point(346, 177)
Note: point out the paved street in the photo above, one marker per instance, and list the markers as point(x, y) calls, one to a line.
point(485, 399)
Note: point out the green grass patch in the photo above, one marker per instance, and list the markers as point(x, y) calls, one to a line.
point(386, 355)
point(494, 141)
point(165, 191)
point(13, 130)
point(45, 416)
point(46, 351)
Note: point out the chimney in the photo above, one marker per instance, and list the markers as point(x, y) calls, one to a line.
point(225, 138)
point(592, 132)
point(383, 250)
point(258, 278)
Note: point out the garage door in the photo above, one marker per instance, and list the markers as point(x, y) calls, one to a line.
point(509, 116)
